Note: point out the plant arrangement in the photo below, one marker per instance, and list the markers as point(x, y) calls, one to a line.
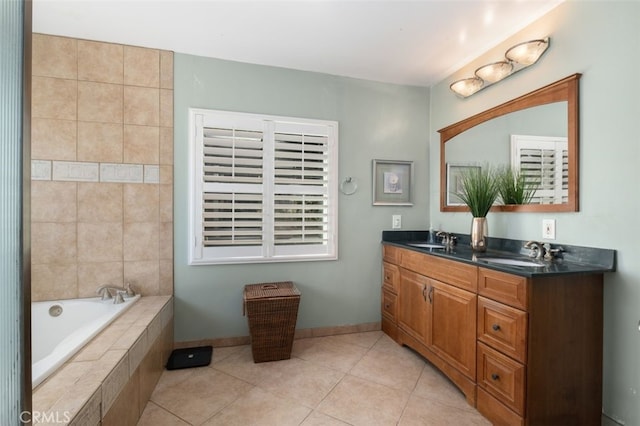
point(514, 187)
point(479, 189)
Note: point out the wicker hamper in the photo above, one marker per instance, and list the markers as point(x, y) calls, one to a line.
point(272, 310)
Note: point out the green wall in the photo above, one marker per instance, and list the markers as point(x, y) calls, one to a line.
point(376, 121)
point(601, 40)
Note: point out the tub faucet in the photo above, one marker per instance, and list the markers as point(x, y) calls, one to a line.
point(537, 249)
point(107, 292)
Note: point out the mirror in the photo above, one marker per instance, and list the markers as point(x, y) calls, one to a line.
point(544, 121)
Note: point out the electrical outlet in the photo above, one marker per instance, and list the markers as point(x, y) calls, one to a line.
point(549, 229)
point(396, 221)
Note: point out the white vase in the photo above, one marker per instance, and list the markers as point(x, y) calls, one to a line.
point(479, 231)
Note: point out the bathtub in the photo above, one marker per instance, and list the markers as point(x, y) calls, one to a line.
point(60, 328)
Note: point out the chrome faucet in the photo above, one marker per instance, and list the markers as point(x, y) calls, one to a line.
point(551, 254)
point(448, 240)
point(537, 249)
point(107, 292)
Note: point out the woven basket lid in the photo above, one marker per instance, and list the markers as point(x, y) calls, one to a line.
point(268, 290)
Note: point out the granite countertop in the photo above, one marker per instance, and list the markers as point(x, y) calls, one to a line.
point(574, 260)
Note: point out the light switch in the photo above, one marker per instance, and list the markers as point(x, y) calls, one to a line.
point(549, 229)
point(396, 221)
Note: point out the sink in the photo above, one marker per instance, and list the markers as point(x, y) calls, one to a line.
point(426, 245)
point(511, 261)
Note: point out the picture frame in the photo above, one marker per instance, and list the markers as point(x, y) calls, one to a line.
point(454, 182)
point(392, 183)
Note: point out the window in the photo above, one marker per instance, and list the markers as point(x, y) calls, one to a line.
point(545, 161)
point(263, 188)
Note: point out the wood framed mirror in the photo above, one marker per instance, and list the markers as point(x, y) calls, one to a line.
point(542, 124)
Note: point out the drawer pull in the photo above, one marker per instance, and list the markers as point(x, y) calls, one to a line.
point(494, 376)
point(495, 327)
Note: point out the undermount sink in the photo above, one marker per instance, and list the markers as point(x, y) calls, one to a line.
point(426, 245)
point(511, 261)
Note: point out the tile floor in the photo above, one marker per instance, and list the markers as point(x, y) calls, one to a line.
point(351, 379)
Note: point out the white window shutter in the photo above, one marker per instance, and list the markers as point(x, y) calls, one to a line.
point(265, 188)
point(544, 161)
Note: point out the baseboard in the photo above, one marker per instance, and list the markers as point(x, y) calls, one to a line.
point(301, 333)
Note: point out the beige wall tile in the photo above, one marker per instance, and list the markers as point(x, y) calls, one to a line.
point(89, 414)
point(141, 106)
point(141, 144)
point(114, 384)
point(101, 242)
point(150, 372)
point(92, 275)
point(143, 275)
point(54, 56)
point(141, 241)
point(53, 243)
point(100, 202)
point(166, 203)
point(166, 277)
point(100, 62)
point(53, 139)
point(166, 69)
point(125, 410)
point(100, 142)
point(53, 201)
point(53, 98)
point(140, 203)
point(166, 175)
point(166, 145)
point(137, 352)
point(54, 281)
point(100, 102)
point(166, 108)
point(141, 66)
point(166, 240)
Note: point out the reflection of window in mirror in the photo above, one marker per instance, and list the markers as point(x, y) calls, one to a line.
point(543, 160)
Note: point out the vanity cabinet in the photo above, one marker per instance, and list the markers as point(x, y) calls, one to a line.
point(436, 312)
point(523, 350)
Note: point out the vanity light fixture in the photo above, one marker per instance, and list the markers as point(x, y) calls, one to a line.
point(517, 58)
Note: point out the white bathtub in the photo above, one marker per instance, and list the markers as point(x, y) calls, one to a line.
point(55, 339)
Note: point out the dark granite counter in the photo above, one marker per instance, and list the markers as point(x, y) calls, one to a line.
point(574, 260)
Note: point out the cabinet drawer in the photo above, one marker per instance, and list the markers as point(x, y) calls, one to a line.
point(391, 254)
point(451, 272)
point(501, 377)
point(389, 304)
point(503, 328)
point(390, 276)
point(505, 288)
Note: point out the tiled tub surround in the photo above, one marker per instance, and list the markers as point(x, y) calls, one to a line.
point(111, 379)
point(102, 157)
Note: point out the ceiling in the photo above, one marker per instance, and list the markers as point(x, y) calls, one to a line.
point(395, 41)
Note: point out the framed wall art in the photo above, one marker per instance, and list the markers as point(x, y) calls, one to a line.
point(392, 183)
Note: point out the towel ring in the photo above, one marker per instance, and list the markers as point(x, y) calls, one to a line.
point(348, 186)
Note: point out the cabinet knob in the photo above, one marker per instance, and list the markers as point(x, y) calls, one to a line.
point(386, 306)
point(495, 327)
point(494, 376)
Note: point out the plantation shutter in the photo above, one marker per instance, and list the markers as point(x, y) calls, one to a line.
point(301, 188)
point(544, 162)
point(263, 188)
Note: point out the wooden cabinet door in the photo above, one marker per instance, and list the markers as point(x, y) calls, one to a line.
point(412, 304)
point(452, 334)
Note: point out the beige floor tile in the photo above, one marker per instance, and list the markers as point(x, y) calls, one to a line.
point(240, 364)
point(398, 370)
point(328, 352)
point(362, 402)
point(318, 419)
point(154, 415)
point(220, 354)
point(302, 381)
point(365, 340)
point(259, 407)
point(424, 412)
point(196, 394)
point(433, 385)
